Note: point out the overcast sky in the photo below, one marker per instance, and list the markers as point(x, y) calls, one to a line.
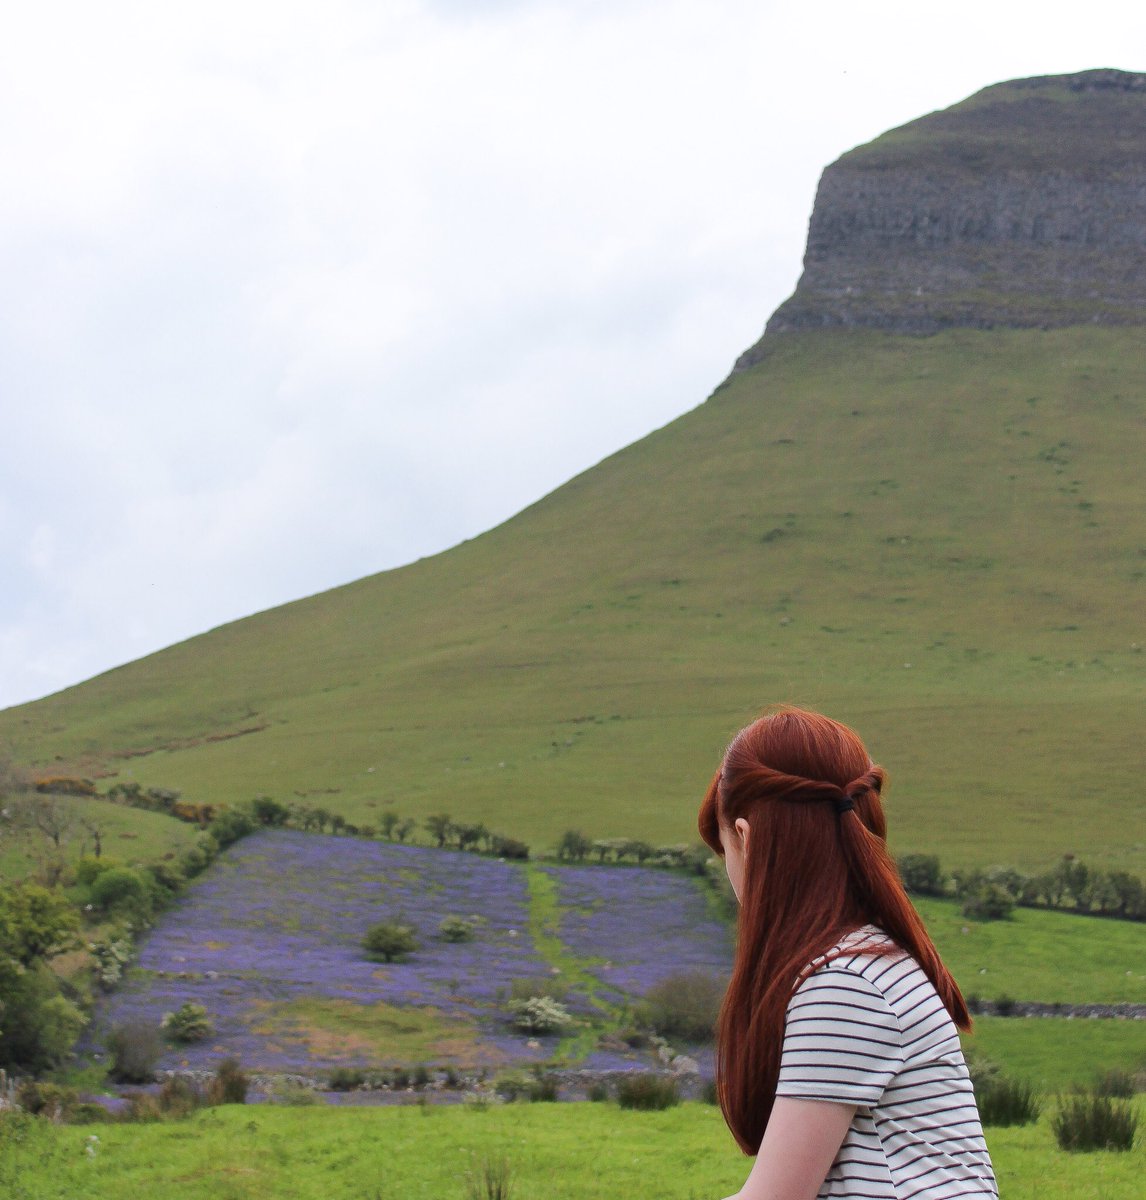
point(294, 292)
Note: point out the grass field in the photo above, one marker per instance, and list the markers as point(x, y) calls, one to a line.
point(559, 1152)
point(1055, 1054)
point(128, 835)
point(1055, 958)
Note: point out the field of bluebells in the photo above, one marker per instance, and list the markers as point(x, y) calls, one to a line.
point(268, 940)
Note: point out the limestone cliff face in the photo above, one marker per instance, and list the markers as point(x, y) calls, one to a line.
point(1024, 206)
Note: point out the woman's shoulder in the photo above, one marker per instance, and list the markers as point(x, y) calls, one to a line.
point(866, 954)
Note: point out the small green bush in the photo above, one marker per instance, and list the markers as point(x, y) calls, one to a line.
point(456, 929)
point(686, 1006)
point(121, 890)
point(1089, 1122)
point(647, 1091)
point(345, 1079)
point(490, 1179)
point(389, 941)
point(921, 874)
point(135, 1048)
point(1004, 1101)
point(598, 1092)
point(988, 902)
point(50, 1100)
point(539, 987)
point(188, 1023)
point(539, 1014)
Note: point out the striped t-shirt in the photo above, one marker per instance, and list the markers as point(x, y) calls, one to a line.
point(870, 1030)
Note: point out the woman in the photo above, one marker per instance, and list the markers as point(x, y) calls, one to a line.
point(838, 1060)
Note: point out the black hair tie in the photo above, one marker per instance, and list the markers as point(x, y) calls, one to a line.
point(843, 804)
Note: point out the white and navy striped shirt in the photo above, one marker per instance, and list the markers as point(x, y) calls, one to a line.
point(870, 1030)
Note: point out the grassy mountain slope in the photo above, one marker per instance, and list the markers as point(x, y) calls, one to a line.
point(939, 540)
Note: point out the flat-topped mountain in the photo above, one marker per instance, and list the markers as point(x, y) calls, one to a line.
point(1023, 206)
point(938, 539)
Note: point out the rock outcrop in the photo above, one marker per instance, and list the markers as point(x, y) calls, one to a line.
point(1023, 206)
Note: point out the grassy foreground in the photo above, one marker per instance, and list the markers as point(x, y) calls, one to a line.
point(559, 1152)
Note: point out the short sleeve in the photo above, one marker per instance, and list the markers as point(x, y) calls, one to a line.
point(842, 1041)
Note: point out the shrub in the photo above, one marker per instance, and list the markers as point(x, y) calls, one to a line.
point(542, 1089)
point(109, 959)
point(921, 874)
point(179, 1097)
point(1089, 1122)
point(491, 1179)
point(456, 929)
point(686, 1006)
point(539, 1014)
point(598, 1092)
point(135, 1048)
point(511, 1087)
point(709, 1093)
point(647, 1091)
point(1004, 1007)
point(50, 1100)
point(188, 1023)
point(229, 1085)
point(293, 1095)
point(507, 847)
point(38, 1026)
point(573, 846)
point(421, 1076)
point(1004, 1101)
point(988, 901)
point(231, 825)
point(142, 1106)
point(389, 941)
point(122, 890)
point(345, 1079)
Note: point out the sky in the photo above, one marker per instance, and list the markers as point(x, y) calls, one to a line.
point(296, 292)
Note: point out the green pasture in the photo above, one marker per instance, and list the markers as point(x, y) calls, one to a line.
point(939, 540)
point(1056, 1054)
point(559, 1152)
point(1052, 957)
point(128, 835)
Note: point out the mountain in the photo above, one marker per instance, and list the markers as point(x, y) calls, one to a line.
point(916, 504)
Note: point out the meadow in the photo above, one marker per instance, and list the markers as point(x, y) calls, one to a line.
point(560, 1152)
point(939, 540)
point(268, 940)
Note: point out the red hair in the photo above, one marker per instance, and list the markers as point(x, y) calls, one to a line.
point(815, 870)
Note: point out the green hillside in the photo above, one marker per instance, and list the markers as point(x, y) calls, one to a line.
point(938, 539)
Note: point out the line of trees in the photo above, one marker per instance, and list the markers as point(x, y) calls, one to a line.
point(991, 893)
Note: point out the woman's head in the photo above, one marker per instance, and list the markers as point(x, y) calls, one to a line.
point(774, 807)
point(796, 811)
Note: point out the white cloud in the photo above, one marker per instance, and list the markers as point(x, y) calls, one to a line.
point(294, 292)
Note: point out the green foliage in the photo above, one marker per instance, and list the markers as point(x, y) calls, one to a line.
point(921, 874)
point(179, 1096)
point(1116, 1083)
point(647, 1090)
point(685, 1005)
point(389, 941)
point(456, 929)
point(188, 1023)
point(490, 1179)
point(123, 892)
point(550, 987)
point(983, 897)
point(269, 812)
point(229, 826)
point(574, 846)
point(1005, 1101)
point(1090, 1122)
point(35, 924)
point(539, 1015)
point(39, 1024)
point(55, 1101)
point(135, 1048)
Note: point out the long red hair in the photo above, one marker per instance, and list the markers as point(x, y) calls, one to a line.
point(815, 870)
